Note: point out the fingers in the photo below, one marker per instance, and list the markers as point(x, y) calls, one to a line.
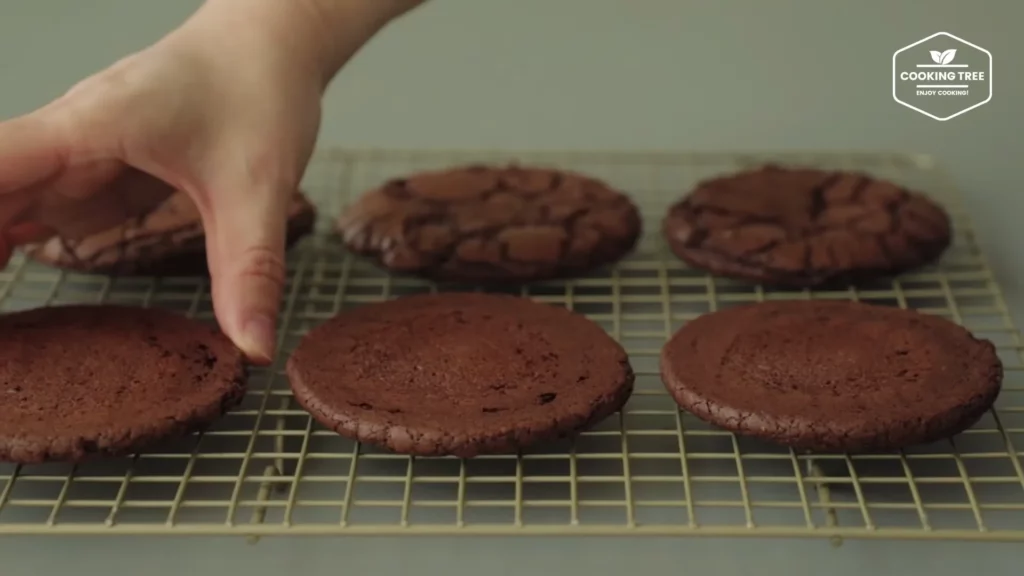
point(86, 201)
point(27, 233)
point(81, 201)
point(31, 151)
point(20, 235)
point(15, 232)
point(245, 232)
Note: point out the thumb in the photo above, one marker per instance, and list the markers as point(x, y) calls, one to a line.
point(245, 238)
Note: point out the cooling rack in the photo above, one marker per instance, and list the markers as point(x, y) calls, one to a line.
point(266, 468)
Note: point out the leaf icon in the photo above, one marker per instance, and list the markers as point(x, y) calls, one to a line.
point(947, 56)
point(936, 56)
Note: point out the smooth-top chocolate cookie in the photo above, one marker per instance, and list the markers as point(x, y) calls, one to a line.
point(805, 227)
point(489, 224)
point(832, 375)
point(459, 374)
point(167, 241)
point(78, 382)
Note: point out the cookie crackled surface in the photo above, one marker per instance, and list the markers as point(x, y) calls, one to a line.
point(78, 382)
point(483, 224)
point(832, 375)
point(459, 374)
point(803, 227)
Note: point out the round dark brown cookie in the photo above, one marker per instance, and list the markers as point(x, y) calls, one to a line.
point(805, 227)
point(459, 374)
point(492, 224)
point(832, 375)
point(78, 382)
point(168, 241)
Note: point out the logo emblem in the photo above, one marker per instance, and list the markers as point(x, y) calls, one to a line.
point(942, 76)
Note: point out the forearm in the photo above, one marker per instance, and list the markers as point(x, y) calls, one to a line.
point(319, 34)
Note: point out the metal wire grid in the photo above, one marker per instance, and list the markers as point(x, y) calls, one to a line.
point(266, 468)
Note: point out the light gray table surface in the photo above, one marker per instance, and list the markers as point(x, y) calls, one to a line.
point(588, 74)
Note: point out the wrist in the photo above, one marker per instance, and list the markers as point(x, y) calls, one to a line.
point(315, 36)
point(339, 28)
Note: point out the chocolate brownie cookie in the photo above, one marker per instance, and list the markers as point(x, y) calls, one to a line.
point(491, 224)
point(832, 375)
point(167, 241)
point(459, 374)
point(78, 382)
point(805, 227)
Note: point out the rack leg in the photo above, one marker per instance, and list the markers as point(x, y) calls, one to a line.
point(275, 469)
point(822, 489)
point(260, 512)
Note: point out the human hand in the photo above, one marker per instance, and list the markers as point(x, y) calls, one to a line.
point(227, 115)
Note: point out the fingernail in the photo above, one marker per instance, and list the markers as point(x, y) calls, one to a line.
point(259, 338)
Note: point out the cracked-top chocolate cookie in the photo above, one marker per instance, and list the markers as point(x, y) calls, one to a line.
point(801, 228)
point(167, 241)
point(832, 375)
point(78, 382)
point(491, 224)
point(459, 374)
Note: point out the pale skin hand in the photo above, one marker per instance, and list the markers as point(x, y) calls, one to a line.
point(225, 108)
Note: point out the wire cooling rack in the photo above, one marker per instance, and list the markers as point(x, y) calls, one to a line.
point(266, 468)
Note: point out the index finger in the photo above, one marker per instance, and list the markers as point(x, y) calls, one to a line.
point(31, 151)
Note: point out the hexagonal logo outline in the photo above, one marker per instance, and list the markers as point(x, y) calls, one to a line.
point(896, 54)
